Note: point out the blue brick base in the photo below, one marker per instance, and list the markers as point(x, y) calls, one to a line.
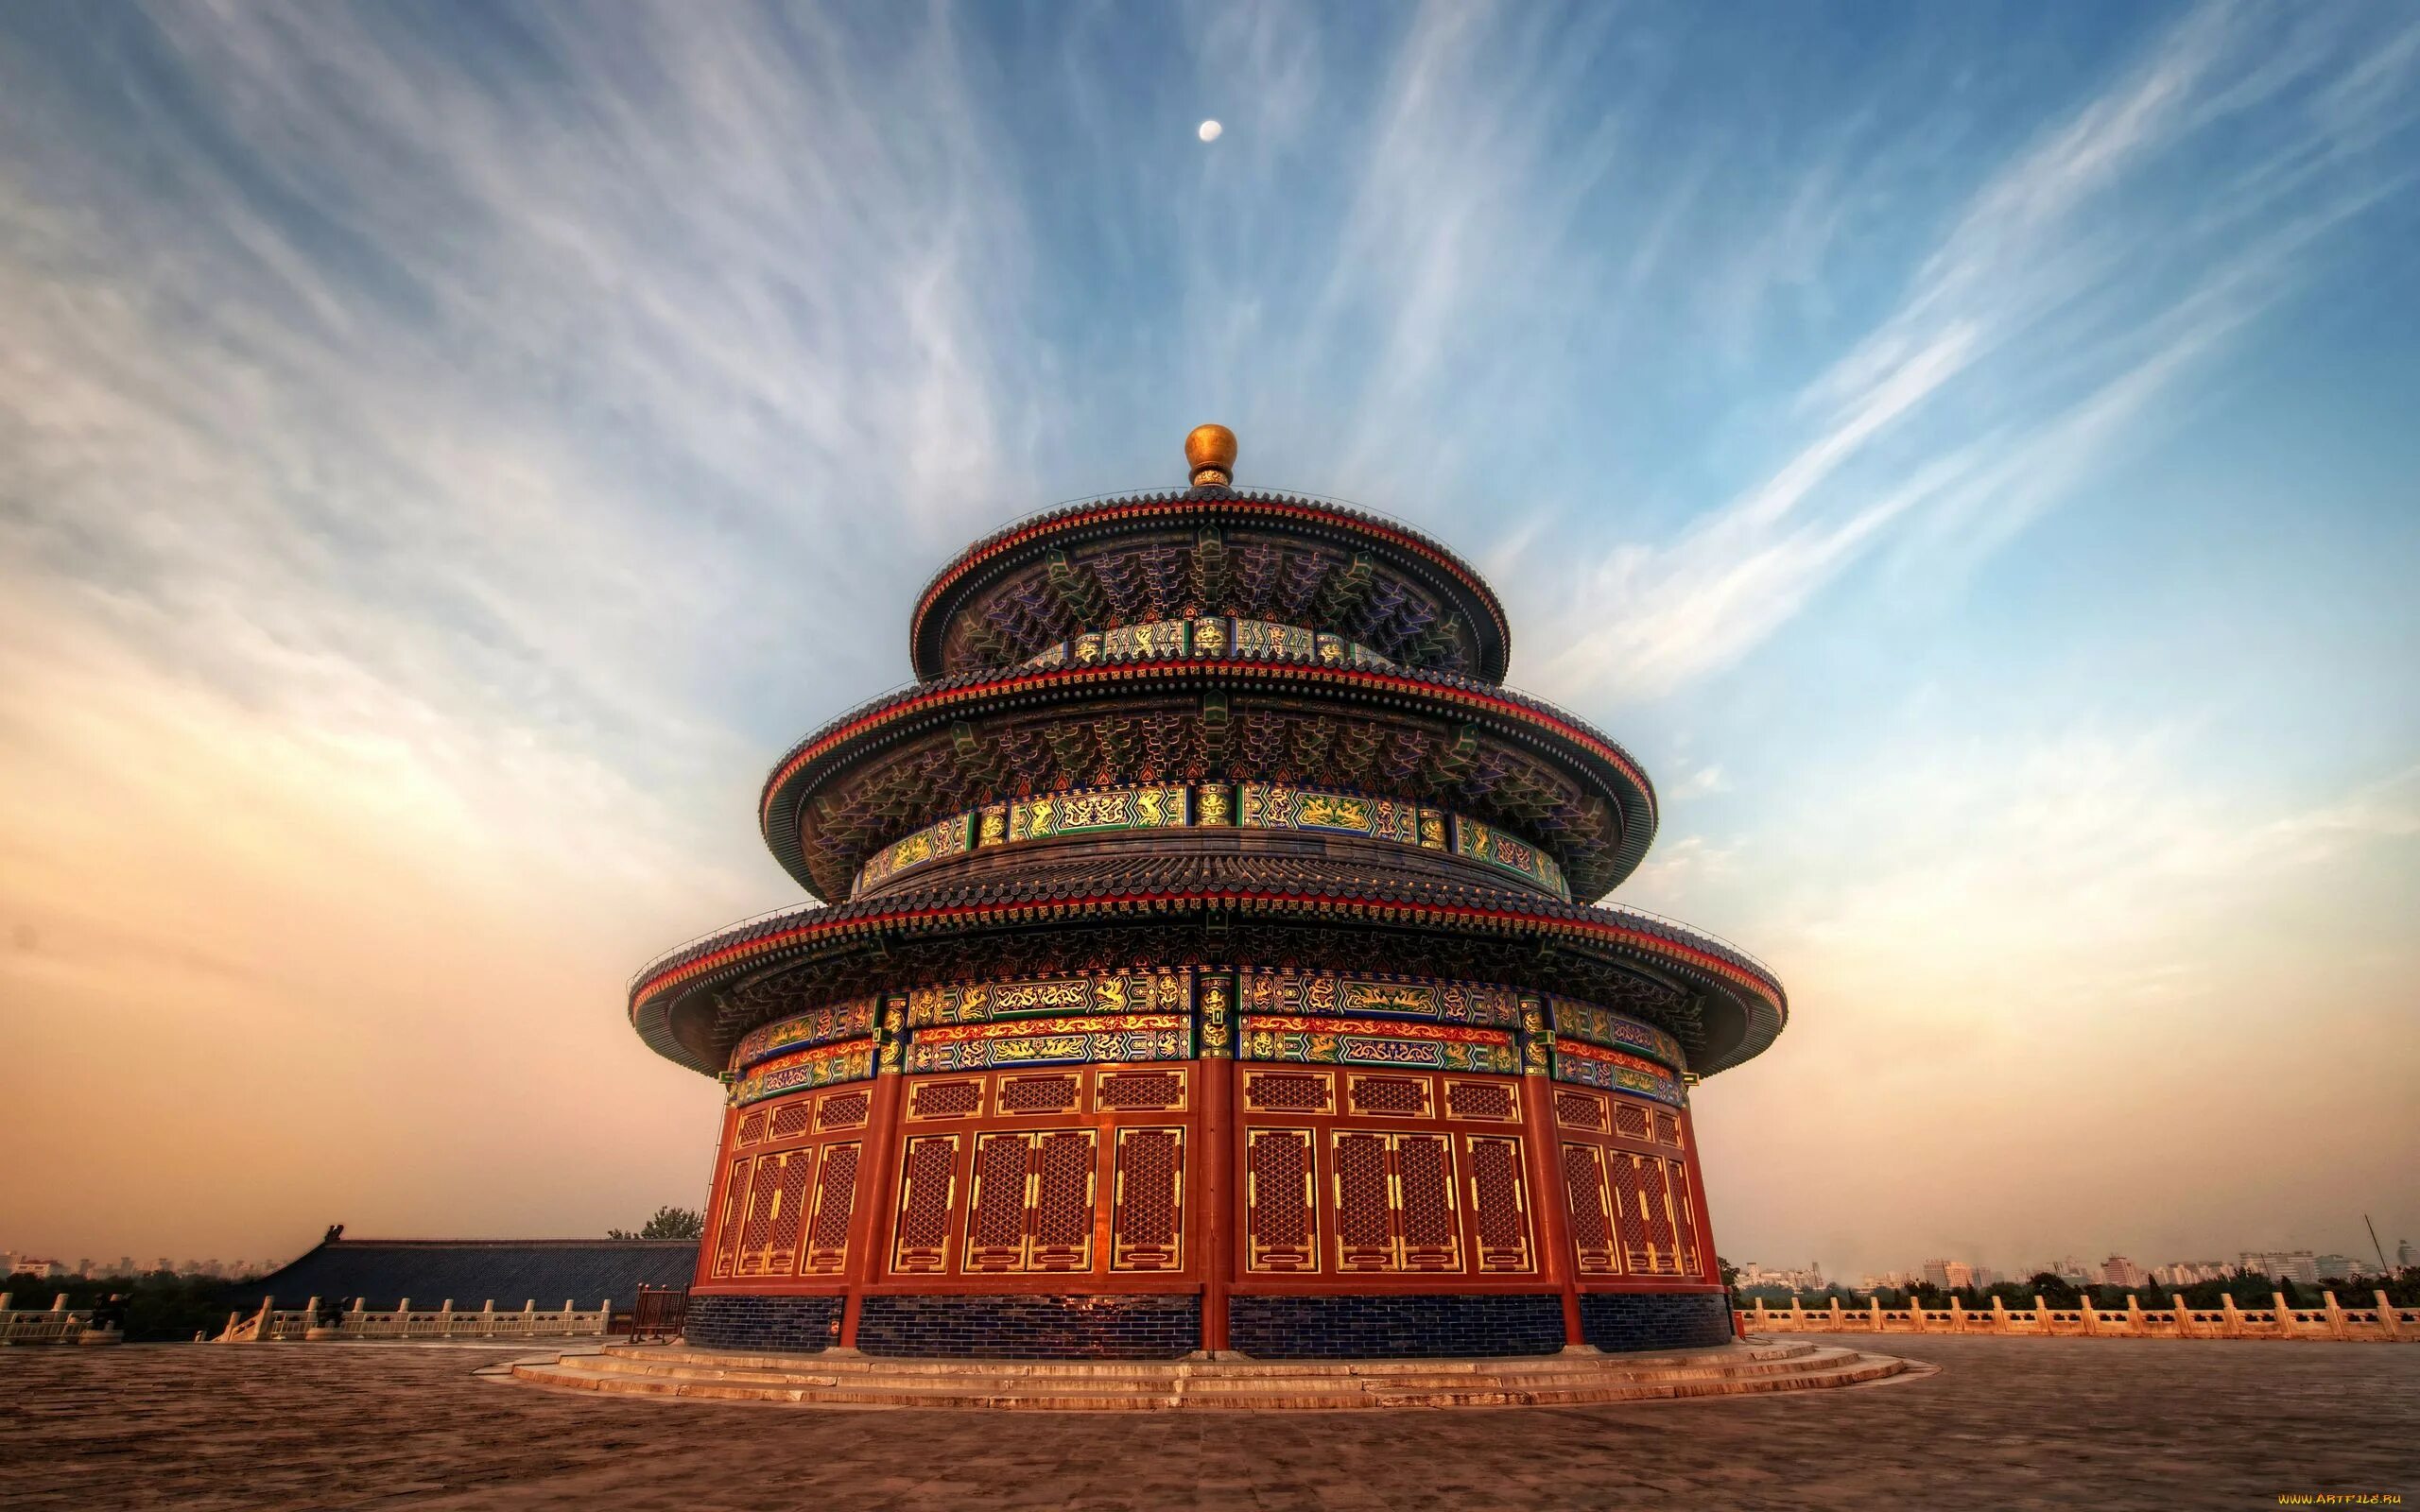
point(1655, 1320)
point(1031, 1326)
point(791, 1324)
point(1402, 1326)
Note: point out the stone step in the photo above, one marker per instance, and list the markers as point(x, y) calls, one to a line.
point(835, 1361)
point(1547, 1371)
point(1210, 1385)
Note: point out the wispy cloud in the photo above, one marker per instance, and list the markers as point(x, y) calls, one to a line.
point(2074, 289)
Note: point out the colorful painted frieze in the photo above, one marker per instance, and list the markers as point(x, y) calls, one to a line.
point(950, 837)
point(823, 1066)
point(1262, 639)
point(1509, 853)
point(1613, 1071)
point(1116, 1037)
point(1362, 1043)
point(1276, 806)
point(1093, 810)
point(1160, 638)
point(818, 1026)
point(1116, 992)
point(1213, 804)
point(1327, 995)
point(1598, 1026)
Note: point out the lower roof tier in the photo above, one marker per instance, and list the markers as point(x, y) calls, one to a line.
point(1095, 913)
point(913, 760)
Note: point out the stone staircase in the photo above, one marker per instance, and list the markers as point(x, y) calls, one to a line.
point(1128, 1385)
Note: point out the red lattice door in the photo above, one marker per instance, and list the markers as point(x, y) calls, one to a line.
point(1685, 1218)
point(1594, 1242)
point(1499, 1202)
point(734, 1217)
point(825, 1251)
point(756, 1235)
point(927, 1191)
point(1630, 1213)
point(790, 1211)
point(1031, 1203)
point(1147, 1223)
point(1281, 1231)
point(1395, 1207)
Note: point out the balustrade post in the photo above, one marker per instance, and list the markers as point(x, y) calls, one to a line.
point(1999, 1316)
point(1838, 1324)
point(1764, 1320)
point(2336, 1329)
point(1797, 1314)
point(1956, 1315)
point(6, 1298)
point(2091, 1316)
point(487, 1318)
point(2285, 1314)
point(2232, 1328)
point(59, 1303)
point(604, 1317)
point(2134, 1315)
point(2389, 1325)
point(2184, 1316)
point(1874, 1314)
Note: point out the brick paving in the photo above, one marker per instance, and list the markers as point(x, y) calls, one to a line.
point(2017, 1423)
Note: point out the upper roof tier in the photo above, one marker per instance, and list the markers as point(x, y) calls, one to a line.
point(1209, 550)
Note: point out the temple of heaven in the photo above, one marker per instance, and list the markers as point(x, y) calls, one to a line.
point(1204, 955)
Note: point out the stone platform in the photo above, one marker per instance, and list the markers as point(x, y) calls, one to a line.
point(1570, 1379)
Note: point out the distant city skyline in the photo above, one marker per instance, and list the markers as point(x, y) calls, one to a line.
point(1963, 453)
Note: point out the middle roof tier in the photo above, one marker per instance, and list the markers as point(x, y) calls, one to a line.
point(1477, 754)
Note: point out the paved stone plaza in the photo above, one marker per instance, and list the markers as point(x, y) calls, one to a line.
point(2005, 1424)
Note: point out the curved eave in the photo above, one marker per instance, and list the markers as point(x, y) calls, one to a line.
point(869, 728)
point(1004, 551)
point(704, 965)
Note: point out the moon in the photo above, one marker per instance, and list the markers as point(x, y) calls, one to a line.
point(1210, 131)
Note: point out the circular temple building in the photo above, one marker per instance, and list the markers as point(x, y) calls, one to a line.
point(1207, 958)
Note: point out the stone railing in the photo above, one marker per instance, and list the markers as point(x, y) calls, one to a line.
point(55, 1324)
point(273, 1323)
point(2382, 1322)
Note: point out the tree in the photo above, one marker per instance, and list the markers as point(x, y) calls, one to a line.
point(668, 1223)
point(2055, 1289)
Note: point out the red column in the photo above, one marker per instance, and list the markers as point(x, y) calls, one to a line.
point(877, 1179)
point(1548, 1200)
point(1217, 1198)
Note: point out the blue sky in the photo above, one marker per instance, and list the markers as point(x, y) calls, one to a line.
point(1964, 450)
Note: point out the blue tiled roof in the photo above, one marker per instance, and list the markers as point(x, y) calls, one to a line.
point(508, 1272)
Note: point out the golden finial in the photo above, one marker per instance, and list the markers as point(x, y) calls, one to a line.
point(1211, 453)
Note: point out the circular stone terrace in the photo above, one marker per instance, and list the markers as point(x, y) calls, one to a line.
point(2004, 1422)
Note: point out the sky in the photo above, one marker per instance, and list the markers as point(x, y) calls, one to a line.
point(448, 450)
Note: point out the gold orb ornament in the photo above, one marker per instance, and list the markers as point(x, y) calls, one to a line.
point(1210, 451)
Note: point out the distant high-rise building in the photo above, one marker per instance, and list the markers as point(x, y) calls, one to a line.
point(2298, 1265)
point(2334, 1267)
point(1956, 1272)
point(2404, 1255)
point(2119, 1271)
point(1936, 1273)
point(84, 1269)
